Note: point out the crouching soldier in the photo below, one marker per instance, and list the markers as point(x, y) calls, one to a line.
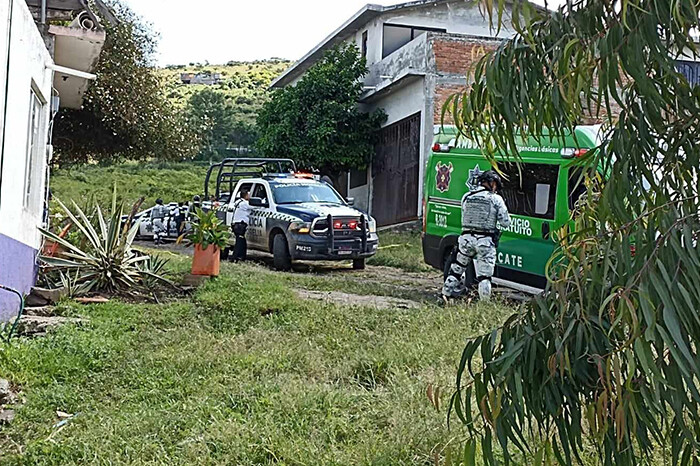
point(482, 210)
point(158, 214)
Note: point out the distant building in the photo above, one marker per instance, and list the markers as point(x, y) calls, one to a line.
point(208, 79)
point(42, 66)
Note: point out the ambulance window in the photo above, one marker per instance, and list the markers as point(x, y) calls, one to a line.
point(244, 187)
point(577, 188)
point(261, 192)
point(532, 193)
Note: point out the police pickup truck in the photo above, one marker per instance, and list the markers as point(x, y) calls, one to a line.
point(294, 216)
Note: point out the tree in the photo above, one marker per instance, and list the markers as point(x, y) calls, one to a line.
point(608, 356)
point(213, 117)
point(125, 113)
point(317, 122)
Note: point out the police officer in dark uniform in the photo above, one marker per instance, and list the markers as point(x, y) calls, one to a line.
point(482, 210)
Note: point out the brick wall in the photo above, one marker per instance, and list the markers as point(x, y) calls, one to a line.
point(442, 93)
point(454, 60)
point(457, 56)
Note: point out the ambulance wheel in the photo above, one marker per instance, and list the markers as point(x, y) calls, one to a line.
point(470, 274)
point(280, 252)
point(358, 264)
point(450, 256)
point(224, 252)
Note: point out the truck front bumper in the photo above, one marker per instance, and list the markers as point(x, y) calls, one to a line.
point(306, 247)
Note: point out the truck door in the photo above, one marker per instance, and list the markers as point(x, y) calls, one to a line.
point(237, 195)
point(527, 245)
point(257, 230)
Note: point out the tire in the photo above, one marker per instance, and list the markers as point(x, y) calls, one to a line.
point(358, 264)
point(469, 275)
point(447, 262)
point(280, 252)
point(224, 253)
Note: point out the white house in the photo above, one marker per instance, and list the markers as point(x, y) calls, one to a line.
point(32, 83)
point(418, 54)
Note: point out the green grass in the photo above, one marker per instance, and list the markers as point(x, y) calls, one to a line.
point(245, 373)
point(174, 182)
point(242, 373)
point(401, 250)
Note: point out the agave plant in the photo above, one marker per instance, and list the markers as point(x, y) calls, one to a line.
point(104, 259)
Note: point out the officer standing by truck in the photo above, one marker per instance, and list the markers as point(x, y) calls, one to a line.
point(241, 220)
point(482, 210)
point(158, 214)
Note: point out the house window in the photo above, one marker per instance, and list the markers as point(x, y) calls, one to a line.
point(396, 36)
point(531, 191)
point(34, 144)
point(364, 44)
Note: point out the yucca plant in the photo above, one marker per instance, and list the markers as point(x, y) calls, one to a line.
point(104, 259)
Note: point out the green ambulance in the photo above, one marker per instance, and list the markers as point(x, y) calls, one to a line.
point(539, 196)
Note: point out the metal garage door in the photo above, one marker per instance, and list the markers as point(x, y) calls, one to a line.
point(395, 172)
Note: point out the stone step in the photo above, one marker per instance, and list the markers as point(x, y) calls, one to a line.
point(30, 325)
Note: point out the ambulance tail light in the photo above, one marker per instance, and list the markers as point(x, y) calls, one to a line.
point(571, 153)
point(441, 147)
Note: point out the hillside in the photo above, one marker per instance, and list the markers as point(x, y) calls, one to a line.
point(244, 84)
point(173, 182)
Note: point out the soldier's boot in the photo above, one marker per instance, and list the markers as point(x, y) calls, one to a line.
point(484, 288)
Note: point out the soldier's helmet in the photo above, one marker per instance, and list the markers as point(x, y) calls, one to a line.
point(159, 201)
point(489, 176)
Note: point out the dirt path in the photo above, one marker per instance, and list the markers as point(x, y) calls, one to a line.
point(405, 289)
point(347, 299)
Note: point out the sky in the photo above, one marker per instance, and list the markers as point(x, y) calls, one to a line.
point(219, 31)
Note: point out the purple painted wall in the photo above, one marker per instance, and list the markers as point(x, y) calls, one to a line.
point(17, 270)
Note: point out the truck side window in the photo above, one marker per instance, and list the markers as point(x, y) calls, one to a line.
point(244, 187)
point(534, 193)
point(261, 192)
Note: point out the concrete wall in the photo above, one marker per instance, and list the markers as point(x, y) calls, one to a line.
point(19, 238)
point(457, 17)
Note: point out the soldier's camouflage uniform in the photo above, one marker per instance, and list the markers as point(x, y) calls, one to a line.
point(482, 210)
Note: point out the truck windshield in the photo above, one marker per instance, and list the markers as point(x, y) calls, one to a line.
point(298, 193)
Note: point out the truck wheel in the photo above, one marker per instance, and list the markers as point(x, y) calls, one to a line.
point(223, 253)
point(358, 264)
point(450, 256)
point(280, 252)
point(469, 275)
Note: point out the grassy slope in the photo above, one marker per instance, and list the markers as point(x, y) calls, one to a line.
point(172, 182)
point(244, 84)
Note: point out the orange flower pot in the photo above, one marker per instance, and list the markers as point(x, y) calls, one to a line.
point(206, 261)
